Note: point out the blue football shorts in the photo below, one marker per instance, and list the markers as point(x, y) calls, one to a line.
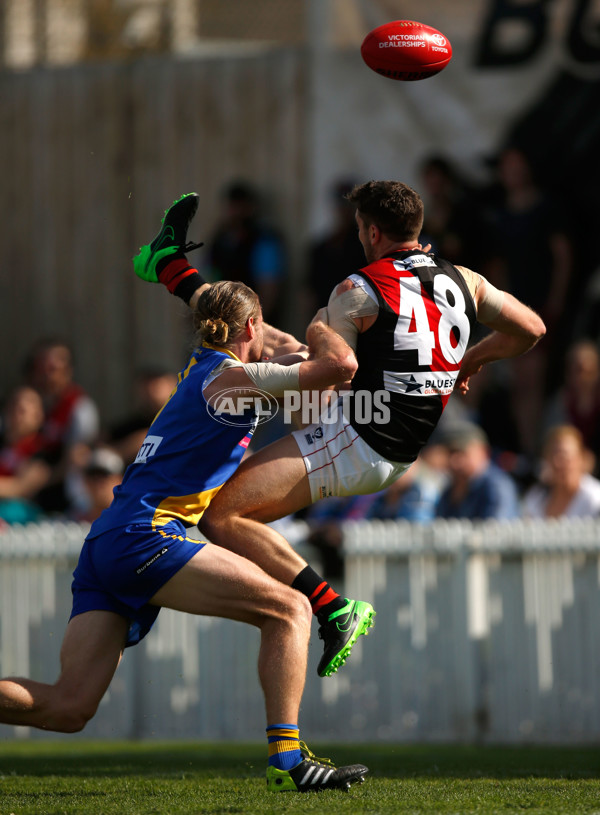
point(122, 569)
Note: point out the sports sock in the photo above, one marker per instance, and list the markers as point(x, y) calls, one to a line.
point(284, 746)
point(178, 276)
point(323, 599)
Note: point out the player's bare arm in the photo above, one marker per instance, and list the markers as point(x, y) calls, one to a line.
point(277, 343)
point(516, 329)
point(331, 362)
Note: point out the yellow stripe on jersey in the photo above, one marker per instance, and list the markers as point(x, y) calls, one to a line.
point(186, 508)
point(180, 377)
point(221, 350)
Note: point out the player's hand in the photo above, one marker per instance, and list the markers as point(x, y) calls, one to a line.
point(278, 343)
point(462, 381)
point(320, 317)
point(462, 385)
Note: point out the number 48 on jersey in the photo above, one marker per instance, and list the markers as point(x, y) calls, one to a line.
point(429, 326)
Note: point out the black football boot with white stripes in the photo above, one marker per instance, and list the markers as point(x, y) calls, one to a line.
point(314, 775)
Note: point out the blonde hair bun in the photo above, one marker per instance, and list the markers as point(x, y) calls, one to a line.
point(214, 330)
point(223, 311)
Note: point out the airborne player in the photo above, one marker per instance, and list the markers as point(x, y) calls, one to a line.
point(408, 315)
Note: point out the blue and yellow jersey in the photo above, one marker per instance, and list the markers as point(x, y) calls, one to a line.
point(186, 457)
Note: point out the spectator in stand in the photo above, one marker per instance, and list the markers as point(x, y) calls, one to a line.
point(153, 388)
point(477, 488)
point(71, 422)
point(102, 473)
point(565, 489)
point(578, 401)
point(245, 249)
point(336, 254)
point(531, 251)
point(24, 469)
point(451, 222)
point(530, 254)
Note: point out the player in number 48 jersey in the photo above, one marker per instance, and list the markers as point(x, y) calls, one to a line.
point(409, 316)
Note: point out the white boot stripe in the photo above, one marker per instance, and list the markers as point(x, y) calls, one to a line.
point(324, 781)
point(307, 775)
point(318, 774)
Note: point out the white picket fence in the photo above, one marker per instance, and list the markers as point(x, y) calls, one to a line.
point(484, 632)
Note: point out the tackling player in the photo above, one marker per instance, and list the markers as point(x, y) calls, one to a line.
point(138, 558)
point(342, 619)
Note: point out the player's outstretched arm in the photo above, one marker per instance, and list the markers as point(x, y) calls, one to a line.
point(277, 343)
point(331, 362)
point(516, 329)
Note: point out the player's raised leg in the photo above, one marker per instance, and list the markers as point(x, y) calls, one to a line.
point(163, 260)
point(90, 653)
point(269, 485)
point(219, 583)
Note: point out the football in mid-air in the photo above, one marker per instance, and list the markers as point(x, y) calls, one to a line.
point(406, 50)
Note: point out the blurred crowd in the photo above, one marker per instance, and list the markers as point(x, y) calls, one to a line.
point(524, 443)
point(57, 458)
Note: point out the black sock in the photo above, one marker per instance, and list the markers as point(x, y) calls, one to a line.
point(320, 594)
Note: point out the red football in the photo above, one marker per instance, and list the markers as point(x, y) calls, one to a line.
point(406, 50)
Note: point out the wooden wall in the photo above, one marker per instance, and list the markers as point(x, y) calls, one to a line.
point(89, 159)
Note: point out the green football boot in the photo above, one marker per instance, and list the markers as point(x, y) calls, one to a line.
point(171, 239)
point(340, 630)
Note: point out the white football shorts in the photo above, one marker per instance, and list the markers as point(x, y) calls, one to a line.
point(339, 462)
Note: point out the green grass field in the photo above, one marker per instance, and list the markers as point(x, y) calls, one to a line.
point(101, 778)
